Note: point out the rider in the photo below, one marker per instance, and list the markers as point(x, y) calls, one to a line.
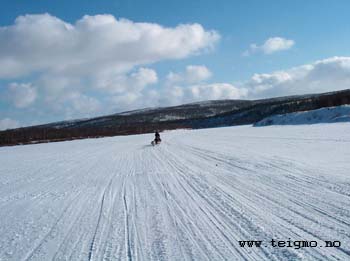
point(157, 137)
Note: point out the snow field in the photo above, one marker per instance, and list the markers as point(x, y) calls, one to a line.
point(191, 198)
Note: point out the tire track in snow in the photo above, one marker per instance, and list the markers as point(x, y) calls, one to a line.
point(126, 221)
point(221, 226)
point(41, 242)
point(92, 245)
point(189, 171)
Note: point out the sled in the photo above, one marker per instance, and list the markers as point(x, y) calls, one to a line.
point(155, 142)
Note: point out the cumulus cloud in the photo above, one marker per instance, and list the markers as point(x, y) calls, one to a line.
point(195, 73)
point(321, 76)
point(192, 74)
point(214, 91)
point(177, 88)
point(271, 45)
point(100, 64)
point(178, 94)
point(136, 100)
point(330, 74)
point(83, 103)
point(22, 94)
point(93, 44)
point(191, 85)
point(121, 83)
point(8, 123)
point(97, 54)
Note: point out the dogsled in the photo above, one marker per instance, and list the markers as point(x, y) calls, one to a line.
point(157, 140)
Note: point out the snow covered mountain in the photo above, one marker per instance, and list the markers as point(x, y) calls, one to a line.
point(194, 197)
point(189, 116)
point(324, 115)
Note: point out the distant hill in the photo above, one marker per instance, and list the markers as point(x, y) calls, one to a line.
point(197, 115)
point(323, 115)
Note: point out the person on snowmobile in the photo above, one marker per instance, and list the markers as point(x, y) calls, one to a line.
point(157, 137)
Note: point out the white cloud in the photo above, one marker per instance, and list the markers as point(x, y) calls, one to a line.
point(74, 104)
point(127, 100)
point(177, 88)
point(321, 76)
point(57, 87)
point(195, 73)
point(84, 104)
point(22, 94)
point(8, 123)
point(330, 74)
point(192, 74)
point(216, 91)
point(271, 45)
point(137, 91)
point(99, 65)
point(178, 94)
point(121, 83)
point(138, 100)
point(96, 54)
point(190, 85)
point(93, 44)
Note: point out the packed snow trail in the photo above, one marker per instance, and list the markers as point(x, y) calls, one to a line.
point(194, 197)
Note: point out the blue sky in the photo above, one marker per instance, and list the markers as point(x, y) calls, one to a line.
point(194, 50)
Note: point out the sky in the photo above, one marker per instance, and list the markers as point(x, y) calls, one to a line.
point(62, 60)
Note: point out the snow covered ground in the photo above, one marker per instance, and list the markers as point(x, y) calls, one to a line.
point(191, 198)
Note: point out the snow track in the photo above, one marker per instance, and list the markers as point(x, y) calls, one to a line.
point(191, 198)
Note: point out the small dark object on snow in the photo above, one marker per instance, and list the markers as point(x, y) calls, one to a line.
point(157, 139)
